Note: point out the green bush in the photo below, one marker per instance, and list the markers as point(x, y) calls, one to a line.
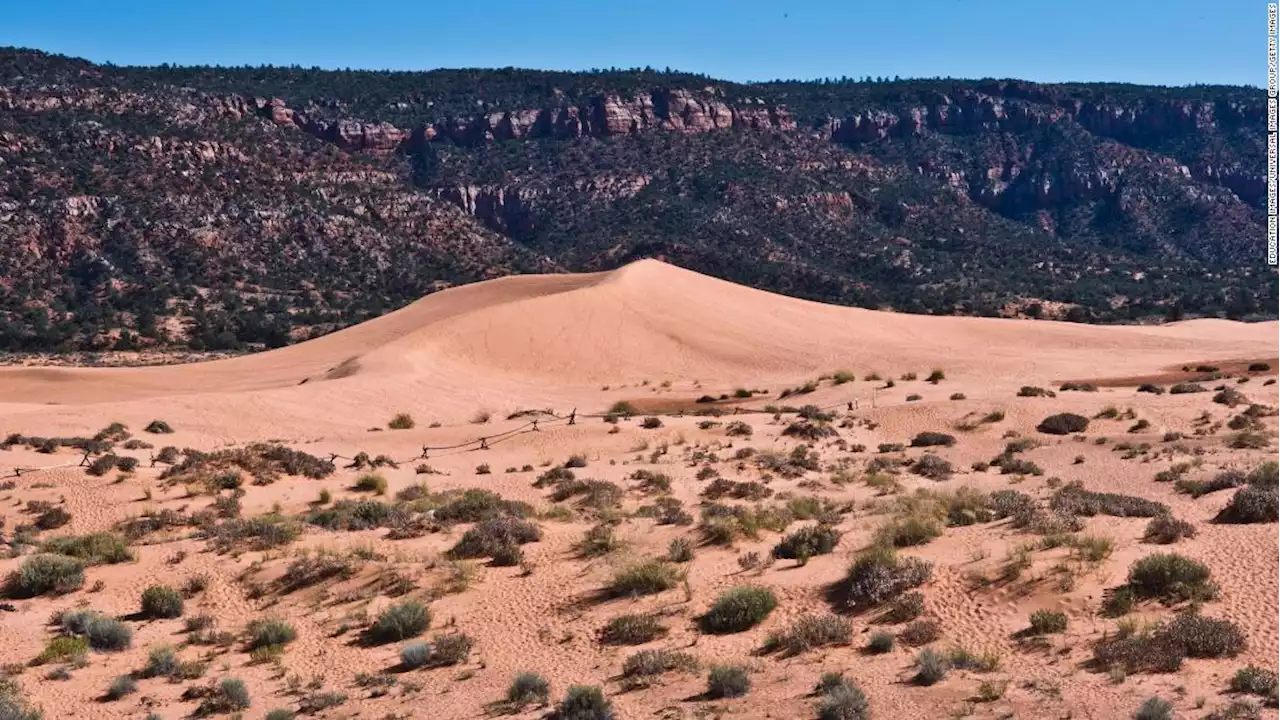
point(728, 681)
point(372, 482)
point(103, 633)
point(1154, 708)
point(807, 542)
point(584, 702)
point(680, 550)
point(528, 689)
point(270, 632)
point(739, 609)
point(45, 574)
point(100, 548)
point(123, 685)
point(647, 578)
point(159, 601)
point(62, 648)
point(1048, 621)
point(162, 661)
point(401, 621)
point(1171, 577)
point(881, 642)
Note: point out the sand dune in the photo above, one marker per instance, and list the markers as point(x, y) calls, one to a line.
point(529, 339)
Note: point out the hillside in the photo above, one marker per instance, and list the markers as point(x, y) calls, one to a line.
point(224, 208)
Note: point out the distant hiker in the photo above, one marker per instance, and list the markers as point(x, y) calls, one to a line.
point(850, 407)
point(573, 415)
point(535, 425)
point(484, 444)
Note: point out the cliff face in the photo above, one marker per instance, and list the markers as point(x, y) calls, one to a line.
point(228, 206)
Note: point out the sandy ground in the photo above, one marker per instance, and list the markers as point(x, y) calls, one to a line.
point(658, 337)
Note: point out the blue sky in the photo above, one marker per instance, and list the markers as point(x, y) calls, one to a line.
point(1170, 42)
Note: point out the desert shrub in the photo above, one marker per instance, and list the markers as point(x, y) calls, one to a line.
point(1048, 621)
point(45, 574)
point(811, 631)
point(728, 681)
point(62, 648)
point(269, 632)
point(958, 396)
point(1254, 681)
point(931, 667)
point(1252, 504)
point(415, 655)
point(1165, 529)
point(402, 421)
point(490, 537)
point(1063, 424)
point(528, 689)
point(1150, 388)
point(451, 649)
point(880, 574)
point(807, 542)
point(1154, 708)
point(932, 467)
point(738, 609)
point(372, 482)
point(52, 518)
point(646, 578)
point(680, 550)
point(1078, 387)
point(738, 428)
point(1010, 503)
point(229, 695)
point(1011, 465)
point(651, 423)
point(1033, 391)
point(908, 530)
point(1186, 388)
point(158, 427)
point(94, 549)
point(1140, 426)
point(598, 540)
point(103, 633)
point(1073, 499)
point(1202, 637)
point(644, 667)
point(920, 632)
point(584, 702)
point(880, 643)
point(904, 608)
point(843, 700)
point(280, 714)
point(1230, 397)
point(401, 621)
point(632, 630)
point(809, 430)
point(161, 662)
point(931, 439)
point(123, 685)
point(1171, 577)
point(159, 601)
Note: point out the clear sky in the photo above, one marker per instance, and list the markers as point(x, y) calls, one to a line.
point(1168, 42)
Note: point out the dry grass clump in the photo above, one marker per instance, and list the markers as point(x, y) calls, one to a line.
point(398, 622)
point(1166, 529)
point(474, 505)
point(879, 575)
point(932, 439)
point(738, 609)
point(738, 428)
point(842, 699)
point(646, 578)
point(258, 533)
point(314, 568)
point(1255, 681)
point(159, 601)
point(724, 524)
point(808, 632)
point(1047, 621)
point(527, 688)
point(647, 666)
point(402, 421)
point(1063, 424)
point(795, 464)
point(357, 515)
point(728, 681)
point(103, 633)
point(920, 632)
point(809, 430)
point(270, 633)
point(931, 667)
point(1033, 391)
point(584, 702)
point(373, 483)
point(632, 630)
point(1171, 578)
point(1186, 388)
